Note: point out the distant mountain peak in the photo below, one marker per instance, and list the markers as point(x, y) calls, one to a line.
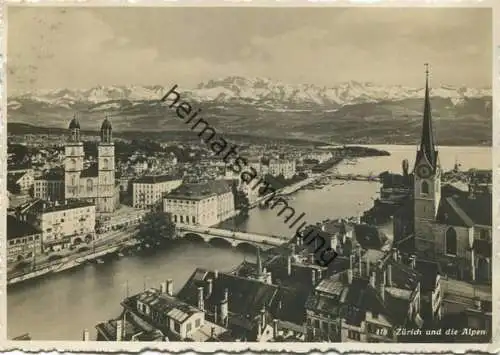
point(258, 91)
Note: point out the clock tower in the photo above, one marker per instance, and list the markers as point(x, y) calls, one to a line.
point(427, 180)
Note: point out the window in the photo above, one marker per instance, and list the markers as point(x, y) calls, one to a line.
point(105, 164)
point(425, 187)
point(177, 327)
point(188, 327)
point(89, 185)
point(351, 334)
point(483, 234)
point(451, 241)
point(197, 323)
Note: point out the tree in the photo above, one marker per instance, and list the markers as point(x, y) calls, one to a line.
point(156, 228)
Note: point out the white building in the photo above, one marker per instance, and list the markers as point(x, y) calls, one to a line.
point(50, 186)
point(282, 167)
point(203, 204)
point(149, 190)
point(23, 179)
point(61, 225)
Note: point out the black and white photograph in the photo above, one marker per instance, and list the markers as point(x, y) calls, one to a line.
point(249, 174)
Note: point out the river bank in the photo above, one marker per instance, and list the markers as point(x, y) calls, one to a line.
point(88, 294)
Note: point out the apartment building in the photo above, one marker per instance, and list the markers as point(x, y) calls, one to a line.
point(149, 190)
point(283, 167)
point(50, 186)
point(60, 225)
point(23, 241)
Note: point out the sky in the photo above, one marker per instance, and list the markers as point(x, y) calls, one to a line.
point(82, 47)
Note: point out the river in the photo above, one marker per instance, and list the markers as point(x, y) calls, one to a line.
point(60, 306)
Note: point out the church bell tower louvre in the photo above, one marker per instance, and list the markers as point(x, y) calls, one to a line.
point(427, 180)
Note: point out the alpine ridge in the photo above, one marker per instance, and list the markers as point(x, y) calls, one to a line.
point(237, 89)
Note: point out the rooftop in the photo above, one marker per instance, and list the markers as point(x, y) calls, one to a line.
point(41, 206)
point(155, 179)
point(17, 229)
point(200, 191)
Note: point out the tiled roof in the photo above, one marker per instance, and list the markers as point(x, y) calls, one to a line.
point(246, 296)
point(154, 179)
point(46, 207)
point(17, 229)
point(200, 191)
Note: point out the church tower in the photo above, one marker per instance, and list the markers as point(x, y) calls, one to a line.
point(73, 161)
point(106, 168)
point(427, 180)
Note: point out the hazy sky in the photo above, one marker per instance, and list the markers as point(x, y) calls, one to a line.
point(83, 47)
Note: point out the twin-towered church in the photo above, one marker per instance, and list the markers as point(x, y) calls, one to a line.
point(95, 182)
point(443, 223)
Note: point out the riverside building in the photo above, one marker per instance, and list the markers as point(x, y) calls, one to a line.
point(204, 204)
point(60, 225)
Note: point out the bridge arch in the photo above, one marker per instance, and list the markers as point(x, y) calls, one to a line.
point(193, 237)
point(246, 246)
point(218, 241)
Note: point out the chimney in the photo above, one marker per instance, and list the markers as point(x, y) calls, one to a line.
point(360, 261)
point(389, 275)
point(212, 333)
point(311, 258)
point(210, 286)
point(263, 317)
point(381, 286)
point(349, 276)
point(216, 274)
point(170, 287)
point(201, 300)
point(163, 287)
point(86, 335)
point(292, 247)
point(413, 261)
point(313, 276)
point(275, 328)
point(259, 262)
point(477, 303)
point(333, 242)
point(372, 279)
point(119, 330)
point(320, 274)
point(395, 256)
point(289, 265)
point(224, 308)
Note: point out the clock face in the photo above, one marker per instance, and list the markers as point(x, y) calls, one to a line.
point(424, 171)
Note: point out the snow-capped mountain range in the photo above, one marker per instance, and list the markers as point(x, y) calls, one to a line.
point(236, 89)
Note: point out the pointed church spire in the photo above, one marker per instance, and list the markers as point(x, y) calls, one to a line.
point(259, 262)
point(427, 146)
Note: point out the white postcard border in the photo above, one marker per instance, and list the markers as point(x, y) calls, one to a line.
point(313, 348)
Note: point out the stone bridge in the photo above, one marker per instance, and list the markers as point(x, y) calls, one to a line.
point(234, 238)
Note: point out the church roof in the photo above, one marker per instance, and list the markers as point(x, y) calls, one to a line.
point(74, 124)
point(427, 145)
point(466, 211)
point(106, 124)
